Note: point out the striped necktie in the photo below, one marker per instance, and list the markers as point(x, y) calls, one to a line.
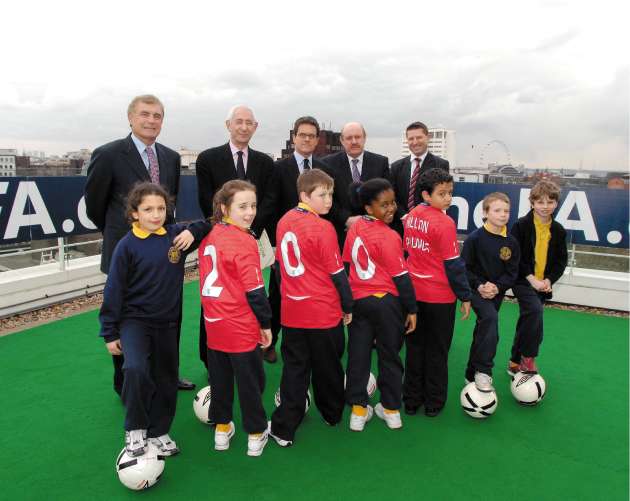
point(154, 169)
point(356, 175)
point(412, 186)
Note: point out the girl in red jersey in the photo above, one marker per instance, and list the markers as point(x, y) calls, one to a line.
point(237, 316)
point(383, 294)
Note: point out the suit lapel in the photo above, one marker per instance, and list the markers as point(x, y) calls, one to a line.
point(406, 177)
point(135, 160)
point(161, 158)
point(293, 169)
point(364, 168)
point(229, 161)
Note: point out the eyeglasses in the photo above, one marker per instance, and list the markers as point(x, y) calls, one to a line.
point(247, 123)
point(303, 135)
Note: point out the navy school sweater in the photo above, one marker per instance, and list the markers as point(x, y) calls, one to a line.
point(145, 278)
point(491, 258)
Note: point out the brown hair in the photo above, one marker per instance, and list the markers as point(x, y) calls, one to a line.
point(545, 188)
point(146, 99)
point(144, 189)
point(417, 125)
point(307, 120)
point(312, 179)
point(225, 196)
point(492, 197)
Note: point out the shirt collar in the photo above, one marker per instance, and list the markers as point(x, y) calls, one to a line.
point(140, 233)
point(230, 221)
point(307, 208)
point(359, 158)
point(300, 159)
point(234, 149)
point(503, 231)
point(412, 157)
point(538, 221)
point(140, 146)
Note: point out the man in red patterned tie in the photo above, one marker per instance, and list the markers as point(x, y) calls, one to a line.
point(115, 168)
point(405, 172)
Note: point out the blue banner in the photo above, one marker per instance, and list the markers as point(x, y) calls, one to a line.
point(37, 208)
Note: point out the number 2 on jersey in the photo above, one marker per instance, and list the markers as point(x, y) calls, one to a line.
point(209, 289)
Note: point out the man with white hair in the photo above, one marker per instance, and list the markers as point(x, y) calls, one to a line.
point(234, 160)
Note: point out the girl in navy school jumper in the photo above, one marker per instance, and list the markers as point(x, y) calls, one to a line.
point(237, 316)
point(140, 315)
point(491, 256)
point(385, 304)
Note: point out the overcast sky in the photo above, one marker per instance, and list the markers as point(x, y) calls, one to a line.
point(548, 79)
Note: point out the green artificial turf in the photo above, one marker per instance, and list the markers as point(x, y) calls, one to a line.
point(61, 427)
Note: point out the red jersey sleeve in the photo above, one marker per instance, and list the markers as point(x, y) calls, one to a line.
point(247, 264)
point(446, 237)
point(329, 250)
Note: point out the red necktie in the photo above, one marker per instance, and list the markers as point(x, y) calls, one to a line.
point(412, 185)
point(154, 169)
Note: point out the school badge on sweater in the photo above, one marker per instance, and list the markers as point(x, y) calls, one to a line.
point(505, 253)
point(174, 255)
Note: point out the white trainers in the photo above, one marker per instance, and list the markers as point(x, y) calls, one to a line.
point(483, 382)
point(280, 441)
point(392, 419)
point(357, 423)
point(222, 438)
point(165, 444)
point(136, 442)
point(256, 443)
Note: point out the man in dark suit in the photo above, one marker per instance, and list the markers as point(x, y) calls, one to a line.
point(114, 169)
point(283, 197)
point(352, 164)
point(404, 178)
point(234, 160)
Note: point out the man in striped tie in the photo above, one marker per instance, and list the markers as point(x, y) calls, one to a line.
point(406, 171)
point(113, 171)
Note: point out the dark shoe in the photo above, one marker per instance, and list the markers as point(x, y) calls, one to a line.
point(432, 411)
point(411, 410)
point(270, 355)
point(184, 384)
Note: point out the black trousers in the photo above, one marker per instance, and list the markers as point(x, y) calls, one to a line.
point(247, 369)
point(379, 320)
point(426, 364)
point(119, 360)
point(306, 352)
point(485, 335)
point(529, 328)
point(203, 345)
point(149, 390)
point(274, 302)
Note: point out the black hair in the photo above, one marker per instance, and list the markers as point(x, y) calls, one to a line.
point(307, 120)
point(144, 189)
point(430, 179)
point(362, 194)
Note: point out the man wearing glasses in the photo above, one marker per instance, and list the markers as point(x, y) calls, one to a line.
point(234, 160)
point(284, 197)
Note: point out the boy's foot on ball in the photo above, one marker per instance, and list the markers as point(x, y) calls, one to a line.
point(512, 368)
point(165, 444)
point(528, 364)
point(136, 442)
point(483, 382)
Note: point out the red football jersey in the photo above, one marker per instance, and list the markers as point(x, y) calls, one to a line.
point(375, 254)
point(308, 253)
point(430, 239)
point(229, 266)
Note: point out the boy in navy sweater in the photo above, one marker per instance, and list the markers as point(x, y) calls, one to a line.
point(491, 257)
point(140, 315)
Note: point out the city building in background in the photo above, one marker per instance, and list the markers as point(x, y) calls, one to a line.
point(189, 158)
point(441, 143)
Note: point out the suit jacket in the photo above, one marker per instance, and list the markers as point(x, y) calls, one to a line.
point(113, 171)
point(283, 195)
point(401, 177)
point(374, 165)
point(215, 166)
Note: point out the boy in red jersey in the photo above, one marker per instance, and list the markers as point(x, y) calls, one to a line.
point(237, 316)
point(316, 302)
point(439, 277)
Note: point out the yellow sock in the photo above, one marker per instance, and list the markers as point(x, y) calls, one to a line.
point(389, 411)
point(223, 428)
point(359, 410)
point(255, 435)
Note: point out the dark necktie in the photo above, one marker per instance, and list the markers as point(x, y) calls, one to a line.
point(356, 175)
point(240, 166)
point(412, 185)
point(154, 169)
point(306, 165)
